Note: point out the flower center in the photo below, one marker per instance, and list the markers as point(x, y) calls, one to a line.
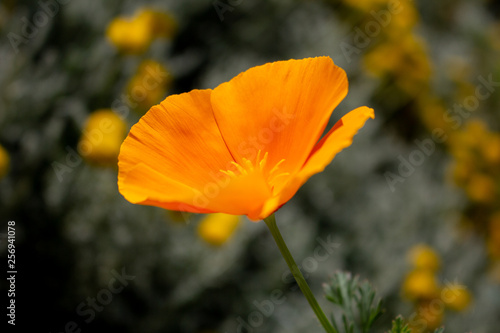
point(257, 169)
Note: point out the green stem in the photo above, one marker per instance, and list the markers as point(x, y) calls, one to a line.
point(297, 274)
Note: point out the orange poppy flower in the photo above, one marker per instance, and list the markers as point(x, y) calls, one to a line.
point(243, 148)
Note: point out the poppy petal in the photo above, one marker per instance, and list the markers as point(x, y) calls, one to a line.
point(242, 195)
point(281, 108)
point(179, 142)
point(146, 186)
point(338, 138)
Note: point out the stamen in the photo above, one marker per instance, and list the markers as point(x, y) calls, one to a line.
point(239, 167)
point(247, 167)
point(248, 164)
point(258, 157)
point(228, 173)
point(262, 164)
point(276, 167)
point(273, 179)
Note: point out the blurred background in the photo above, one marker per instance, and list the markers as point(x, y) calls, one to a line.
point(412, 206)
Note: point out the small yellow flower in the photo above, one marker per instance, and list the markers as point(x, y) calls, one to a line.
point(475, 133)
point(4, 162)
point(494, 35)
point(461, 172)
point(217, 228)
point(490, 149)
point(162, 24)
point(456, 297)
point(149, 85)
point(494, 271)
point(424, 257)
point(130, 36)
point(415, 69)
point(382, 59)
point(460, 150)
point(432, 111)
point(402, 21)
point(420, 284)
point(430, 315)
point(481, 188)
point(134, 35)
point(102, 136)
point(365, 5)
point(464, 88)
point(493, 242)
point(405, 60)
point(494, 226)
point(493, 248)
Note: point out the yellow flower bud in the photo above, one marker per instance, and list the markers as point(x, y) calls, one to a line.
point(493, 248)
point(476, 130)
point(130, 36)
point(493, 242)
point(420, 284)
point(402, 22)
point(494, 271)
point(481, 188)
point(4, 162)
point(424, 257)
point(149, 85)
point(404, 59)
point(494, 226)
point(431, 111)
point(461, 172)
point(162, 24)
point(134, 35)
point(430, 315)
point(365, 5)
point(491, 149)
point(102, 137)
point(456, 297)
point(217, 228)
point(494, 35)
